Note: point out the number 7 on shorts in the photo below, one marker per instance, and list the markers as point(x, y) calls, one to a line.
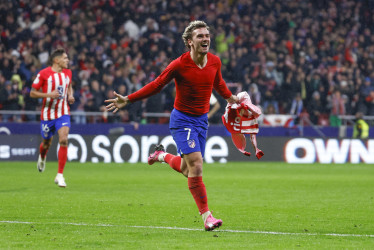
point(189, 133)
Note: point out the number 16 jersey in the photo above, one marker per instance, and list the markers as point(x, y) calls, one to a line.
point(48, 80)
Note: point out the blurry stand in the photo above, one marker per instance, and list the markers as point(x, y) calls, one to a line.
point(117, 131)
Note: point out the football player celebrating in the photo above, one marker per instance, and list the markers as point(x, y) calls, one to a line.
point(196, 73)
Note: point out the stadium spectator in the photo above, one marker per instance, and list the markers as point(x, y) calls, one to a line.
point(196, 73)
point(97, 94)
point(361, 128)
point(337, 105)
point(315, 108)
point(53, 84)
point(330, 42)
point(9, 98)
point(254, 94)
point(270, 90)
point(296, 105)
point(369, 100)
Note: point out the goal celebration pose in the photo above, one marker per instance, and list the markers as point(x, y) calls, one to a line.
point(196, 73)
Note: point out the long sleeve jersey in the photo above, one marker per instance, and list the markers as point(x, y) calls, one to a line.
point(194, 85)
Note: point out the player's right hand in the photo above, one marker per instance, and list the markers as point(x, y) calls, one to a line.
point(54, 94)
point(117, 103)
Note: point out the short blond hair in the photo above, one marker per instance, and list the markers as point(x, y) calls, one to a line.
point(187, 34)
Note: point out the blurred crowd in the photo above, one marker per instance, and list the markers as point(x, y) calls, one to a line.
point(307, 58)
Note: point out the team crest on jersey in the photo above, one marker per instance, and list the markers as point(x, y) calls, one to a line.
point(191, 143)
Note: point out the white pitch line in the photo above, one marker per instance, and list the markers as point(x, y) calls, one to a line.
point(194, 229)
point(15, 222)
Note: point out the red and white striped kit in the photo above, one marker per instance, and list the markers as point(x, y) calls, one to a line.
point(48, 81)
point(240, 119)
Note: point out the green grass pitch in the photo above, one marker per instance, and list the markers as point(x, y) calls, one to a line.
point(136, 206)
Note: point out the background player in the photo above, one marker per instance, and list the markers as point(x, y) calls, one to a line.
point(195, 73)
point(53, 84)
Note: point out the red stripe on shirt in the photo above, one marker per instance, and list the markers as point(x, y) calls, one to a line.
point(51, 101)
point(65, 99)
point(43, 106)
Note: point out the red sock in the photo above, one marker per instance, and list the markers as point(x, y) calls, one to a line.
point(43, 151)
point(62, 158)
point(174, 161)
point(198, 191)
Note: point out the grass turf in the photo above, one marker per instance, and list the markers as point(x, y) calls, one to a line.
point(132, 206)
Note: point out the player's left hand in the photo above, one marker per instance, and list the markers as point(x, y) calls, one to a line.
point(233, 99)
point(71, 99)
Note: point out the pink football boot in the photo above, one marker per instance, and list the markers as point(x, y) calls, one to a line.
point(159, 149)
point(212, 223)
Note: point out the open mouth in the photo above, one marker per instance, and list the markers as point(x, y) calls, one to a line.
point(204, 45)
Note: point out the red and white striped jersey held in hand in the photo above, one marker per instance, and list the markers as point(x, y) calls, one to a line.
point(49, 80)
point(241, 118)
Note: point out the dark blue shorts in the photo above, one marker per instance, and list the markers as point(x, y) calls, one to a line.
point(49, 128)
point(189, 132)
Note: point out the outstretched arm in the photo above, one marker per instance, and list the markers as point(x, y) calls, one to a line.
point(148, 90)
point(156, 85)
point(117, 103)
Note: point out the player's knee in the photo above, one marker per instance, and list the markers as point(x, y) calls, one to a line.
point(196, 168)
point(47, 144)
point(184, 168)
point(63, 141)
point(185, 172)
